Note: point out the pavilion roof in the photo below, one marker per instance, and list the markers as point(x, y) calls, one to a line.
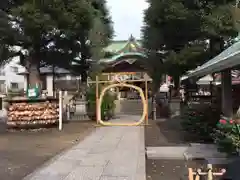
point(131, 49)
point(235, 77)
point(228, 58)
point(49, 70)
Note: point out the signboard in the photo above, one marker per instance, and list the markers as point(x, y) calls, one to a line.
point(120, 73)
point(124, 76)
point(164, 88)
point(121, 78)
point(33, 92)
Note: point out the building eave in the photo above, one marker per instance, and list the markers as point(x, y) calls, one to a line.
point(229, 58)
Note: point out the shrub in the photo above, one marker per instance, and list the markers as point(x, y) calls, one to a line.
point(227, 136)
point(199, 121)
point(107, 106)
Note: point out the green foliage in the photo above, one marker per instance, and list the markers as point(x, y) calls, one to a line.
point(199, 121)
point(99, 40)
point(107, 106)
point(103, 14)
point(52, 32)
point(226, 136)
point(100, 35)
point(156, 71)
point(181, 28)
point(189, 57)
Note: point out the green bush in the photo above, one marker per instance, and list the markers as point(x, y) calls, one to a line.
point(199, 122)
point(227, 136)
point(107, 106)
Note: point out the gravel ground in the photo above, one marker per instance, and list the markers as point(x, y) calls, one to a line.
point(22, 152)
point(162, 169)
point(166, 132)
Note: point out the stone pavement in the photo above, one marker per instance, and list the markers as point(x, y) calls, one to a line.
point(125, 118)
point(109, 153)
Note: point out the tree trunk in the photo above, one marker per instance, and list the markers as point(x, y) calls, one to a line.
point(84, 56)
point(54, 86)
point(176, 80)
point(33, 67)
point(216, 45)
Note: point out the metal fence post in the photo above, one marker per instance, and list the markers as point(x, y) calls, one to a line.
point(68, 112)
point(60, 110)
point(154, 107)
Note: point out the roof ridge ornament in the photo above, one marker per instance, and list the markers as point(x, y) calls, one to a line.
point(131, 38)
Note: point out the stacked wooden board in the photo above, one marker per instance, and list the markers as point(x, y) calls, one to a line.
point(27, 112)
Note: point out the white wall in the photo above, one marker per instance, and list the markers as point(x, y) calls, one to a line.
point(11, 76)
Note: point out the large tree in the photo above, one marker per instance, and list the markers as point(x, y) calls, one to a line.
point(100, 35)
point(53, 32)
point(169, 26)
point(190, 31)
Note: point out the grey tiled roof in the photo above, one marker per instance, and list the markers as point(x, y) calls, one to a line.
point(48, 70)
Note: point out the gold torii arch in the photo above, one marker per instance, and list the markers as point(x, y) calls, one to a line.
point(124, 83)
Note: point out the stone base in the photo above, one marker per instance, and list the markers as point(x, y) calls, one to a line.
point(193, 151)
point(168, 152)
point(203, 151)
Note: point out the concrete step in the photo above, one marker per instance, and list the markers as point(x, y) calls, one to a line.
point(206, 152)
point(203, 151)
point(168, 152)
point(79, 118)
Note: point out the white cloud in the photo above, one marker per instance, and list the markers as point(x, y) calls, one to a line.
point(127, 16)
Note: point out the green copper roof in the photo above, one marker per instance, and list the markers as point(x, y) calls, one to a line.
point(116, 57)
point(121, 49)
point(115, 46)
point(122, 45)
point(129, 54)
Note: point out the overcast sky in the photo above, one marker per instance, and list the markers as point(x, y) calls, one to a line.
point(127, 16)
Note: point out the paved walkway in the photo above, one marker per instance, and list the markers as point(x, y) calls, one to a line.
point(109, 153)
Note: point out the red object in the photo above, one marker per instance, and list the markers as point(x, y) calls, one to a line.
point(231, 121)
point(223, 121)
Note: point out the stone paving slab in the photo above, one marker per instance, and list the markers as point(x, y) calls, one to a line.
point(109, 153)
point(218, 161)
point(167, 152)
point(85, 173)
point(203, 151)
point(114, 178)
point(141, 166)
point(193, 151)
point(125, 118)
